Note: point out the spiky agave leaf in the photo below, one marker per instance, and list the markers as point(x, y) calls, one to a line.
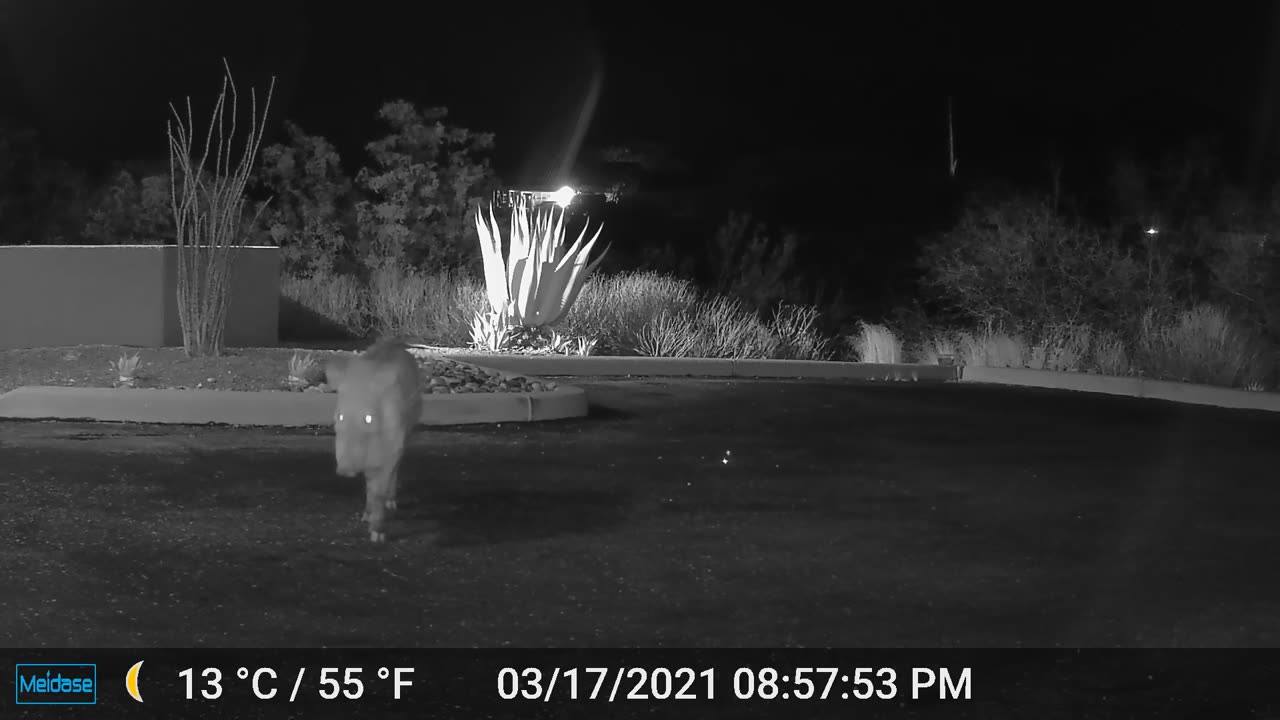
point(524, 288)
point(528, 279)
point(544, 292)
point(520, 239)
point(580, 270)
point(561, 275)
point(495, 272)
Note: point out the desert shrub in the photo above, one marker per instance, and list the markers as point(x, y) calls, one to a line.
point(1244, 278)
point(934, 347)
point(799, 337)
point(713, 328)
point(309, 195)
point(1020, 264)
point(341, 300)
point(1110, 356)
point(435, 307)
point(135, 207)
point(874, 344)
point(671, 334)
point(751, 264)
point(614, 309)
point(424, 179)
point(726, 329)
point(666, 256)
point(645, 313)
point(132, 211)
point(1201, 345)
point(1062, 348)
point(992, 347)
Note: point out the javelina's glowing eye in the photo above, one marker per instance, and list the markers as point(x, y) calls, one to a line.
point(368, 419)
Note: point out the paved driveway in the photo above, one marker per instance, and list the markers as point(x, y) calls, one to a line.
point(682, 513)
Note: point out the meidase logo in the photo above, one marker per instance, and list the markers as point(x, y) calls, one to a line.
point(56, 684)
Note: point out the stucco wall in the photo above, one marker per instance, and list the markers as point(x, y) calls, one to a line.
point(56, 295)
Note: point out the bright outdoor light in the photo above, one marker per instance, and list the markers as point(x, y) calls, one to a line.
point(1152, 231)
point(563, 196)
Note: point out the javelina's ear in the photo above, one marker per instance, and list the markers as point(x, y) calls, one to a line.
point(336, 369)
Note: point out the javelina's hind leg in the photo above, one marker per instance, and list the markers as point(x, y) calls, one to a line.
point(376, 505)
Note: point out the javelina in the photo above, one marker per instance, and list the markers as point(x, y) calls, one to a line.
point(379, 403)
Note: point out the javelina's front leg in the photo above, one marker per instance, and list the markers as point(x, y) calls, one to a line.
point(393, 486)
point(368, 496)
point(375, 503)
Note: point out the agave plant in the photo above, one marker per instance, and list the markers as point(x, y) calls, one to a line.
point(125, 369)
point(302, 368)
point(541, 278)
point(491, 331)
point(559, 344)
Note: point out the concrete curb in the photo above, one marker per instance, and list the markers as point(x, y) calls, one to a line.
point(554, 365)
point(602, 366)
point(275, 408)
point(286, 409)
point(1129, 386)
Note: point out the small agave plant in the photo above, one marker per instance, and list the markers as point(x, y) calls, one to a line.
point(559, 344)
point(541, 278)
point(491, 331)
point(125, 368)
point(301, 369)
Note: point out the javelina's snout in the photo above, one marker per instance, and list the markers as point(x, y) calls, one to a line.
point(351, 451)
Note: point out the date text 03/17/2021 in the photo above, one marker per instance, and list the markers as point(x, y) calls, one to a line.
point(801, 683)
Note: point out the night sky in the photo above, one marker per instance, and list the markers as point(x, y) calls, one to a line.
point(825, 104)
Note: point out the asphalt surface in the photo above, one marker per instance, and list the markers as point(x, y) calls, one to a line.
point(680, 513)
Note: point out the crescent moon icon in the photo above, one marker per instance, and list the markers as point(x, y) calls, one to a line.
point(131, 681)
